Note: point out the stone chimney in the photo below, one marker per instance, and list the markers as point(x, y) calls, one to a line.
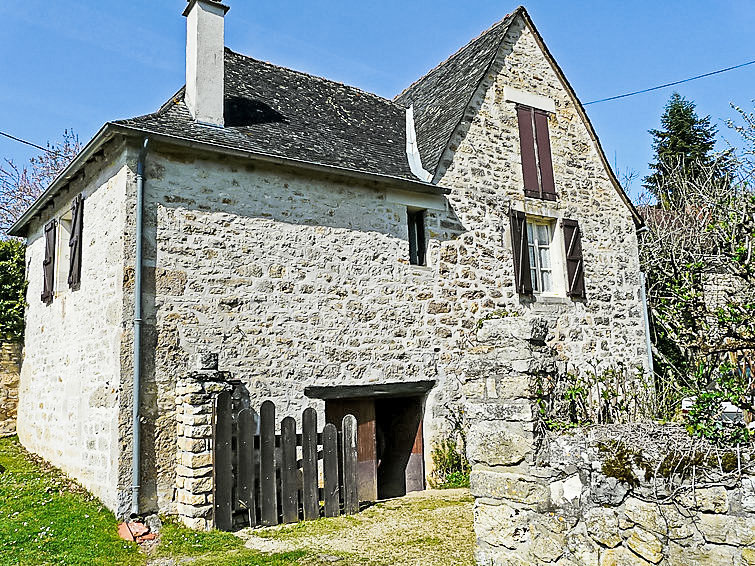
point(205, 43)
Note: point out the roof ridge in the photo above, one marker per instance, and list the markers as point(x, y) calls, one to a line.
point(456, 53)
point(317, 77)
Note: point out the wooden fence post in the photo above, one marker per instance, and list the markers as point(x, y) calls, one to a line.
point(247, 473)
point(310, 495)
point(289, 487)
point(349, 447)
point(268, 495)
point(330, 466)
point(223, 462)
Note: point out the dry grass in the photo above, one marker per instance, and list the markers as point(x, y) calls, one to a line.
point(429, 528)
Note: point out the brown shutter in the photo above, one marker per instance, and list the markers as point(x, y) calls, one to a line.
point(574, 264)
point(520, 247)
point(77, 221)
point(48, 265)
point(527, 148)
point(544, 159)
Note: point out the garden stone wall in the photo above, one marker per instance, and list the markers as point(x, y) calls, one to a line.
point(618, 495)
point(10, 369)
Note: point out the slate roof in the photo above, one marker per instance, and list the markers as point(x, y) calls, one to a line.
point(441, 97)
point(285, 113)
point(281, 113)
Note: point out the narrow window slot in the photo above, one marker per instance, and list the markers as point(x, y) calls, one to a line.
point(417, 242)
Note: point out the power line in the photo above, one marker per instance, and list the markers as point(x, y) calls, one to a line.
point(669, 84)
point(14, 138)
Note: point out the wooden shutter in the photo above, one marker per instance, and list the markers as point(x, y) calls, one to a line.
point(48, 265)
point(544, 160)
point(574, 264)
point(520, 247)
point(527, 149)
point(77, 221)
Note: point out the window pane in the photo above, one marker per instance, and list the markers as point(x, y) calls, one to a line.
point(533, 262)
point(545, 258)
point(530, 236)
point(533, 276)
point(543, 235)
point(546, 281)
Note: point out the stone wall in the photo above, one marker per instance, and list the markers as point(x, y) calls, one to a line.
point(619, 495)
point(10, 367)
point(294, 280)
point(70, 380)
point(483, 166)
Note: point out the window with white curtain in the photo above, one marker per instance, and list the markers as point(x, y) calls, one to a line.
point(539, 239)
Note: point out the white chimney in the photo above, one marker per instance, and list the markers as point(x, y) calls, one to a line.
point(205, 43)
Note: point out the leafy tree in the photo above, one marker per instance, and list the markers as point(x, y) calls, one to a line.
point(684, 141)
point(12, 290)
point(699, 258)
point(21, 185)
point(19, 188)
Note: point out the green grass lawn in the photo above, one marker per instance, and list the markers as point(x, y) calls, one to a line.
point(47, 519)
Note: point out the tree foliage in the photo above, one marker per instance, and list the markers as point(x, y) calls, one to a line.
point(21, 185)
point(12, 290)
point(684, 141)
point(19, 188)
point(699, 258)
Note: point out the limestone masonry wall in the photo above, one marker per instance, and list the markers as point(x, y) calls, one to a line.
point(10, 368)
point(71, 375)
point(293, 281)
point(636, 495)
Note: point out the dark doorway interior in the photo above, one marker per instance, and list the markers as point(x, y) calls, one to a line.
point(400, 466)
point(390, 455)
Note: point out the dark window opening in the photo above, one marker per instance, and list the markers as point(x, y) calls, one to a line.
point(417, 242)
point(537, 163)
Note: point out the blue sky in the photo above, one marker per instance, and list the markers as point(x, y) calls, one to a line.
point(77, 64)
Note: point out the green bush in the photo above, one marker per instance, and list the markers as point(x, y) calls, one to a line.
point(12, 290)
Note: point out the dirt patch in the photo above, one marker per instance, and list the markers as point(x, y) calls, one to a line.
point(426, 528)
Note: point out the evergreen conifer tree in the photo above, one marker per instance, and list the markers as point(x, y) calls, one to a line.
point(684, 140)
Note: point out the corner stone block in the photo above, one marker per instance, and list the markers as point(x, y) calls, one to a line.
point(500, 525)
point(506, 486)
point(519, 412)
point(495, 443)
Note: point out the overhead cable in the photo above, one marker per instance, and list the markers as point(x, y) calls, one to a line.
point(669, 84)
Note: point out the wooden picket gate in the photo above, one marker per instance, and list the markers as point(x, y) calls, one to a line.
point(263, 478)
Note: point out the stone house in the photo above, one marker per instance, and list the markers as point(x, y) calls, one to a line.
point(334, 248)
